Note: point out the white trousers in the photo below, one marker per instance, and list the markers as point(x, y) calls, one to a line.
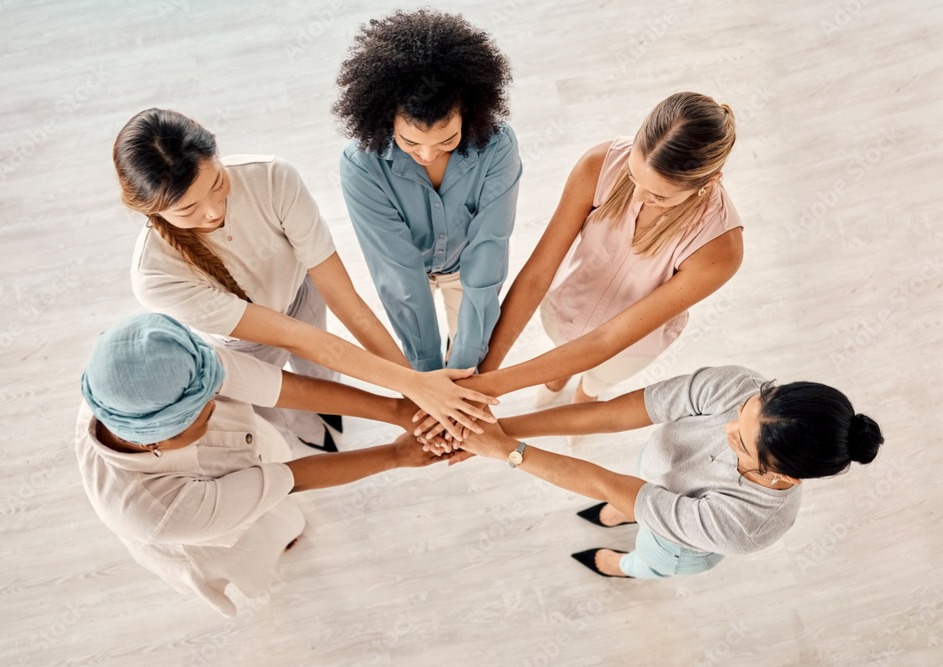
point(606, 375)
point(450, 287)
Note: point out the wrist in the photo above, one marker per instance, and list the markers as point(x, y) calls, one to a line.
point(507, 445)
point(401, 413)
point(395, 457)
point(405, 381)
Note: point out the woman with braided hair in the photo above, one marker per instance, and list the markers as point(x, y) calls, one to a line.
point(236, 248)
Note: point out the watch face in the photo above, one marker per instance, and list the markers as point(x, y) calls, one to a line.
point(515, 458)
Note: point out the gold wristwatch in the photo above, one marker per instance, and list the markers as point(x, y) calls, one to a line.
point(516, 457)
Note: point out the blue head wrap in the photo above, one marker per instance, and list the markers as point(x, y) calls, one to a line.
point(149, 377)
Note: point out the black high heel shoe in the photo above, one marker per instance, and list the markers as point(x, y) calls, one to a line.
point(327, 446)
point(336, 422)
point(591, 514)
point(588, 558)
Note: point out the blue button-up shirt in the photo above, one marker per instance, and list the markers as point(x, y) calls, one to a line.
point(409, 230)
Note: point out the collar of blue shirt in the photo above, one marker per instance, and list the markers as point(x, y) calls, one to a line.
point(405, 166)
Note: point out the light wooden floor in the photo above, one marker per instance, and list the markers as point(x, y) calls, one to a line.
point(835, 173)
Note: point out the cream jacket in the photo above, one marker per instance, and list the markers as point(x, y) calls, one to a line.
point(211, 514)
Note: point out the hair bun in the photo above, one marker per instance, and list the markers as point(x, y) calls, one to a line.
point(864, 438)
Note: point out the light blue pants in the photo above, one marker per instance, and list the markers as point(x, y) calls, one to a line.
point(655, 558)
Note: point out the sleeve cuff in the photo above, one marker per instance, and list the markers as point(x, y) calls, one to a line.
point(464, 356)
point(248, 379)
point(425, 364)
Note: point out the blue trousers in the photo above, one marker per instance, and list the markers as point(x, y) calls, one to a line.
point(655, 558)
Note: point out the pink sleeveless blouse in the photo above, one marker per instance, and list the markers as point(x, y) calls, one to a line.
point(601, 276)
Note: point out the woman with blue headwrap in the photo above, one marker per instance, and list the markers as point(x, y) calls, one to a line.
point(177, 463)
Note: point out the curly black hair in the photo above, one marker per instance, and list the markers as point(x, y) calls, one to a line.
point(423, 64)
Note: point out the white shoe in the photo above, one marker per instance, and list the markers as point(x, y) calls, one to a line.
point(545, 397)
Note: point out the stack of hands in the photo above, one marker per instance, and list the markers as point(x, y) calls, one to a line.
point(473, 431)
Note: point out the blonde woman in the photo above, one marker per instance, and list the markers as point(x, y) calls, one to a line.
point(643, 231)
point(236, 248)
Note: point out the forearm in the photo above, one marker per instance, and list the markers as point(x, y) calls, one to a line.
point(334, 284)
point(337, 354)
point(375, 338)
point(305, 393)
point(582, 477)
point(323, 471)
point(622, 413)
point(518, 307)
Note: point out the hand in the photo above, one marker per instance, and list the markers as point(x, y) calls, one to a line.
point(492, 442)
point(445, 445)
point(459, 456)
point(405, 410)
point(410, 454)
point(448, 403)
point(431, 431)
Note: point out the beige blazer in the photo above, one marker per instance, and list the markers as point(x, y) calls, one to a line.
point(211, 514)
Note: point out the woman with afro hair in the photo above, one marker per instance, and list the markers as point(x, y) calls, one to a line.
point(430, 177)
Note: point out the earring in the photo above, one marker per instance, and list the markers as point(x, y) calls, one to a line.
point(700, 193)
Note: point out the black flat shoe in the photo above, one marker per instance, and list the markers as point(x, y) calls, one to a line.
point(591, 514)
point(336, 422)
point(327, 446)
point(588, 558)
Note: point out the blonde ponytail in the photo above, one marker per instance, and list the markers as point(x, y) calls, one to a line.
point(686, 139)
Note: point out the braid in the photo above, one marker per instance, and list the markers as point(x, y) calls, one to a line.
point(197, 255)
point(158, 155)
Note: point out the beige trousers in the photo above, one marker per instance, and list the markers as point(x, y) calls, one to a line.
point(450, 287)
point(606, 375)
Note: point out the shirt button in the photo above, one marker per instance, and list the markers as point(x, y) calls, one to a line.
point(248, 438)
point(441, 237)
point(437, 205)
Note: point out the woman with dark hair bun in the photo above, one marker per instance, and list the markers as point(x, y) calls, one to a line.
point(721, 476)
point(430, 177)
